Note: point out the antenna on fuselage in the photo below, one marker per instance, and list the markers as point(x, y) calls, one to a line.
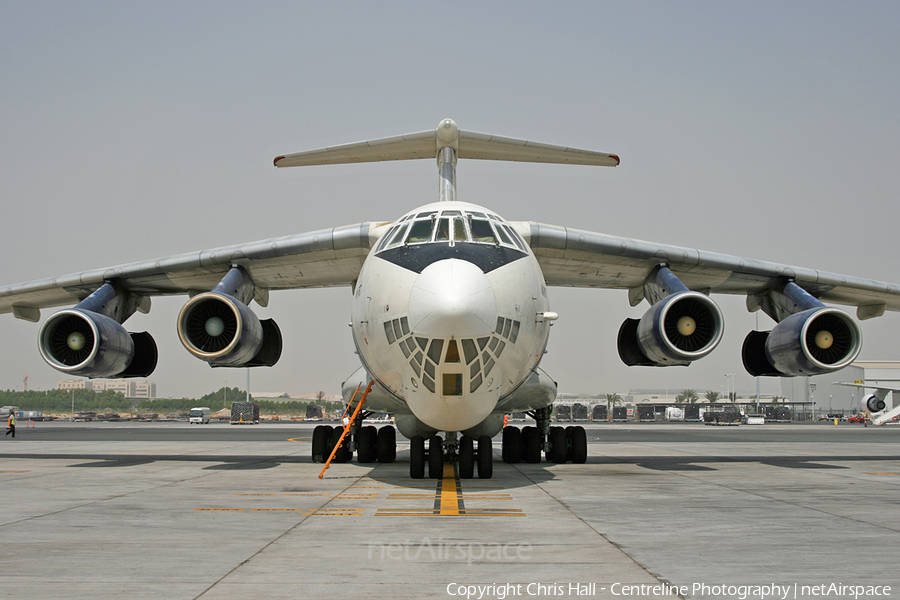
point(447, 143)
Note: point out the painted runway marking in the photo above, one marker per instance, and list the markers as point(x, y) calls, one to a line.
point(449, 500)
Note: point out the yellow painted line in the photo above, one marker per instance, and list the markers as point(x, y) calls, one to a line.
point(362, 496)
point(349, 514)
point(450, 500)
point(895, 474)
point(221, 509)
point(466, 512)
point(436, 496)
point(300, 439)
point(13, 471)
point(256, 494)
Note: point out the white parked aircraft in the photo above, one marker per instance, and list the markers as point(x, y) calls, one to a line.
point(450, 311)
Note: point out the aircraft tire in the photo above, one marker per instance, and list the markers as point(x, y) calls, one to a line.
point(531, 443)
point(417, 457)
point(485, 458)
point(577, 442)
point(466, 457)
point(386, 444)
point(435, 457)
point(512, 445)
point(321, 443)
point(558, 445)
point(366, 444)
point(343, 453)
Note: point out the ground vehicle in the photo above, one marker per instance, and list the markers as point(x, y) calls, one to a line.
point(314, 412)
point(199, 415)
point(244, 412)
point(860, 418)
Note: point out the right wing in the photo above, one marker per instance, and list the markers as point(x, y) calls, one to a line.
point(324, 258)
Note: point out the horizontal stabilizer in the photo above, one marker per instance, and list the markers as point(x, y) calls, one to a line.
point(427, 144)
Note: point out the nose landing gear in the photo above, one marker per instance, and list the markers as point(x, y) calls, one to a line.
point(463, 452)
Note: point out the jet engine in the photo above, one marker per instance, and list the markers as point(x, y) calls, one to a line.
point(676, 330)
point(224, 332)
point(874, 404)
point(88, 344)
point(811, 342)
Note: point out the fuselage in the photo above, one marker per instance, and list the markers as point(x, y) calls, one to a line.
point(448, 313)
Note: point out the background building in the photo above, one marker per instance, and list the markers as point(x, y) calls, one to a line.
point(133, 389)
point(832, 398)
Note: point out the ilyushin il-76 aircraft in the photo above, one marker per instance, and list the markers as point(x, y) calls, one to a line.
point(450, 310)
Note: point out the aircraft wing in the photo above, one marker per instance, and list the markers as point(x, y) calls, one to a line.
point(576, 258)
point(329, 257)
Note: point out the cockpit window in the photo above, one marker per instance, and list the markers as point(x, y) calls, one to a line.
point(504, 236)
point(443, 230)
point(451, 226)
point(482, 231)
point(397, 237)
point(459, 230)
point(419, 232)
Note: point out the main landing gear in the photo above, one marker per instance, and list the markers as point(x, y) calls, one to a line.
point(372, 444)
point(559, 444)
point(473, 455)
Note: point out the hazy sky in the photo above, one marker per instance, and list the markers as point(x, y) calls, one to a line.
point(135, 130)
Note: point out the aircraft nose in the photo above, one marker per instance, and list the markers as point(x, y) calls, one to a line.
point(452, 298)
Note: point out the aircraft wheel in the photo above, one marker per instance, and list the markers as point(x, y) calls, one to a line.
point(531, 442)
point(321, 443)
point(558, 445)
point(435, 457)
point(466, 453)
point(344, 453)
point(366, 441)
point(485, 458)
point(386, 444)
point(417, 457)
point(577, 442)
point(512, 445)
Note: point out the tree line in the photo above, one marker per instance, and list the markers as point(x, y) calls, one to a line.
point(65, 401)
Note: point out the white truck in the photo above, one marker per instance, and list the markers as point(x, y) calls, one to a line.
point(199, 415)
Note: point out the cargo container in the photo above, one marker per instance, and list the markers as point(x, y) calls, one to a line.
point(244, 412)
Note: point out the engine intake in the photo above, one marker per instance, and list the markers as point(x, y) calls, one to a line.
point(87, 344)
point(811, 342)
point(224, 332)
point(677, 330)
point(874, 404)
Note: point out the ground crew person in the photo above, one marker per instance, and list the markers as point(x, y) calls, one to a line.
point(11, 424)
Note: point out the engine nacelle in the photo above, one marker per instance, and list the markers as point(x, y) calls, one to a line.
point(87, 344)
point(812, 342)
point(224, 332)
point(874, 404)
point(677, 330)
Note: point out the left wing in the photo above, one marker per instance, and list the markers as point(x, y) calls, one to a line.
point(576, 258)
point(683, 324)
point(328, 257)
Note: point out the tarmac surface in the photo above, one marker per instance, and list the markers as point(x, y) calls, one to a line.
point(171, 510)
